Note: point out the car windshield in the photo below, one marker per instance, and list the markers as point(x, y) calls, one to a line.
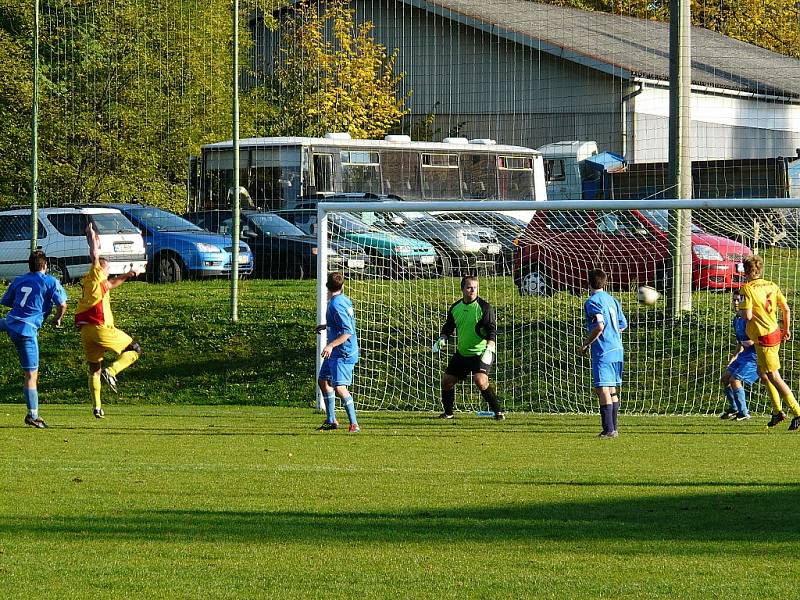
point(274, 225)
point(660, 218)
point(161, 220)
point(112, 223)
point(415, 216)
point(349, 223)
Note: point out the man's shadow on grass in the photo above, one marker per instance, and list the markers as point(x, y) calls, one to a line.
point(732, 515)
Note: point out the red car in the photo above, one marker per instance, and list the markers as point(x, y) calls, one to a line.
point(559, 247)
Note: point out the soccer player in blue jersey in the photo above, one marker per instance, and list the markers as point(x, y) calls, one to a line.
point(31, 297)
point(340, 354)
point(605, 321)
point(741, 369)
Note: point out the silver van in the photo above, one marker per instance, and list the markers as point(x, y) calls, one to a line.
point(62, 236)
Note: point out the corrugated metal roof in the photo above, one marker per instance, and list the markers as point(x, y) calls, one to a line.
point(625, 46)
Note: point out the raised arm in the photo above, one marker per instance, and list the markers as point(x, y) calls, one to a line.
point(93, 239)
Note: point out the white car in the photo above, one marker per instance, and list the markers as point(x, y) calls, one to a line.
point(61, 233)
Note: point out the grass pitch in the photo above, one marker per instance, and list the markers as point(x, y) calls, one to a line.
point(249, 502)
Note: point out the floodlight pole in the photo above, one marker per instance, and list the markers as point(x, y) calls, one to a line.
point(35, 133)
point(680, 154)
point(235, 196)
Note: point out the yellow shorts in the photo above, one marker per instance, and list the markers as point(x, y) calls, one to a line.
point(767, 358)
point(97, 339)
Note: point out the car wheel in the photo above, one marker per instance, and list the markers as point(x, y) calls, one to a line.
point(535, 283)
point(59, 270)
point(167, 269)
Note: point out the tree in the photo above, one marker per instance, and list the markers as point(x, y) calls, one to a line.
point(342, 82)
point(127, 92)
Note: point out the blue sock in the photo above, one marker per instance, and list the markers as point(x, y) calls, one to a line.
point(741, 400)
point(350, 408)
point(330, 406)
point(732, 402)
point(607, 417)
point(32, 400)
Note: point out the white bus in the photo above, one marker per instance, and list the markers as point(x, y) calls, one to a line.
point(278, 172)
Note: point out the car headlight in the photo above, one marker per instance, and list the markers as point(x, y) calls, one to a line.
point(202, 247)
point(402, 249)
point(704, 252)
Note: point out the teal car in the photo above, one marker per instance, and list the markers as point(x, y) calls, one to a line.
point(394, 255)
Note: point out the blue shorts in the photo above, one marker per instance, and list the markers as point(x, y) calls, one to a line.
point(27, 348)
point(337, 371)
point(606, 374)
point(744, 368)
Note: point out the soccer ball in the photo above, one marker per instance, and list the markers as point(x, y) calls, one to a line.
point(647, 295)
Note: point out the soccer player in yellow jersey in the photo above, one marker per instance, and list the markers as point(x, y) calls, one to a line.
point(759, 305)
point(96, 322)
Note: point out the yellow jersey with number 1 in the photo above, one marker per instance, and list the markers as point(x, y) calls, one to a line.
point(763, 298)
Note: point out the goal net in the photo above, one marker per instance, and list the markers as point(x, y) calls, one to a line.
point(532, 261)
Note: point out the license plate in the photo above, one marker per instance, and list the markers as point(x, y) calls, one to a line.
point(355, 263)
point(243, 259)
point(427, 260)
point(493, 249)
point(122, 246)
point(739, 267)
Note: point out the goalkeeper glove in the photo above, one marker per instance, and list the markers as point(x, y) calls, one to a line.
point(437, 345)
point(488, 356)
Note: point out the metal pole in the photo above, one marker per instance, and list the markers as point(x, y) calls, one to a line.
point(322, 292)
point(235, 197)
point(35, 133)
point(680, 158)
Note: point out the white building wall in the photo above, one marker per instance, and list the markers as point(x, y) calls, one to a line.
point(723, 127)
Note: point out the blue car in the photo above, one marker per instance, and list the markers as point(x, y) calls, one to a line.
point(177, 249)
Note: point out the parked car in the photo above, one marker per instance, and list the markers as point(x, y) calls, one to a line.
point(61, 233)
point(462, 248)
point(178, 249)
point(507, 230)
point(393, 254)
point(559, 247)
point(280, 248)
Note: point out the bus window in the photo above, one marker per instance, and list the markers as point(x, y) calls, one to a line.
point(401, 174)
point(515, 178)
point(361, 171)
point(440, 176)
point(323, 172)
point(274, 176)
point(479, 173)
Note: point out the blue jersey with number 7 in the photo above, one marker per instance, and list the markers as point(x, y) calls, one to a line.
point(31, 298)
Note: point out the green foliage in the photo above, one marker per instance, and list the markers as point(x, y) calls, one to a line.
point(237, 502)
point(344, 81)
point(127, 93)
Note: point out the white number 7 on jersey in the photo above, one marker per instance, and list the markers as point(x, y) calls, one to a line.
point(27, 291)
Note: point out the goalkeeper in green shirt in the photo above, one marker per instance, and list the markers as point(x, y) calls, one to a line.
point(472, 321)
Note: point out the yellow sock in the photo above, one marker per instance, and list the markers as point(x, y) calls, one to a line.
point(125, 360)
point(94, 388)
point(774, 397)
point(790, 400)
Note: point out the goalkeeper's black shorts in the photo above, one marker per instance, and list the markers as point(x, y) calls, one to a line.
point(464, 366)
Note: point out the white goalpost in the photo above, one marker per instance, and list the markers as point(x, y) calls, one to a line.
point(532, 259)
